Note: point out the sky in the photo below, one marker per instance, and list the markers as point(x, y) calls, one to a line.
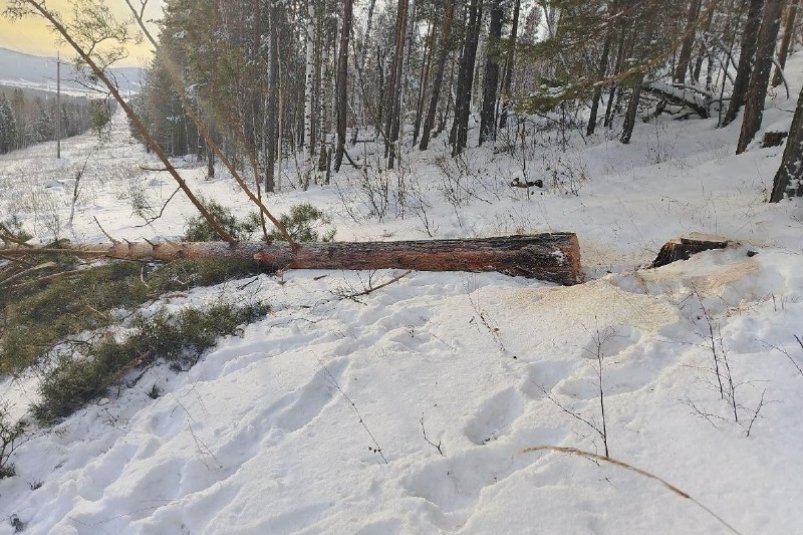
point(31, 34)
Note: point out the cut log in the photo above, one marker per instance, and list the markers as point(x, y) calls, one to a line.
point(553, 257)
point(684, 247)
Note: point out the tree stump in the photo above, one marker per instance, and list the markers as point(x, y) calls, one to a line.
point(684, 247)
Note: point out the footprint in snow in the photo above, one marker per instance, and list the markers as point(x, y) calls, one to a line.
point(309, 401)
point(542, 376)
point(494, 417)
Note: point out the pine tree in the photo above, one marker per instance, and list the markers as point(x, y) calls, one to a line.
point(437, 83)
point(789, 178)
point(746, 60)
point(465, 79)
point(688, 42)
point(44, 126)
point(786, 41)
point(342, 82)
point(491, 80)
point(8, 126)
point(759, 81)
point(510, 62)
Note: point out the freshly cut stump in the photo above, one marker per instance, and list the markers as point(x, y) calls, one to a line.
point(684, 247)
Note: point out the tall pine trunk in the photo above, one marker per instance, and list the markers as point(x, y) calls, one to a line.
point(632, 110)
point(437, 83)
point(510, 62)
point(786, 41)
point(426, 68)
point(704, 51)
point(491, 79)
point(620, 56)
point(746, 60)
point(688, 42)
point(465, 79)
point(394, 85)
point(342, 83)
point(603, 69)
point(642, 43)
point(759, 81)
point(789, 178)
point(273, 96)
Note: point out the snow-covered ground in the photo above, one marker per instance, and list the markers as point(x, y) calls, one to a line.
point(410, 410)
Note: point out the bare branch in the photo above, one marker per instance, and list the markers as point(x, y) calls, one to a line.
point(621, 464)
point(104, 230)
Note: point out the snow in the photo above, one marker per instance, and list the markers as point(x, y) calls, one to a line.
point(29, 71)
point(409, 410)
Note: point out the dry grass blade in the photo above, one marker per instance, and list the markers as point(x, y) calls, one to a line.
point(621, 464)
point(25, 272)
point(47, 278)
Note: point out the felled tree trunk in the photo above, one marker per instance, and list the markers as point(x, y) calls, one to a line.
point(684, 96)
point(553, 257)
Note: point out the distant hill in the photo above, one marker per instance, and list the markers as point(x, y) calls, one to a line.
point(39, 72)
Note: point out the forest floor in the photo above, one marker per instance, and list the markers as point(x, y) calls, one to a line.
point(409, 410)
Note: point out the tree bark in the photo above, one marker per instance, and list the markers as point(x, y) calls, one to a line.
point(603, 68)
point(309, 81)
point(465, 80)
point(273, 97)
point(704, 51)
point(685, 50)
point(342, 83)
point(632, 109)
point(620, 56)
point(789, 178)
point(746, 60)
point(437, 83)
point(510, 63)
point(426, 67)
point(786, 41)
point(554, 257)
point(491, 79)
point(393, 89)
point(759, 81)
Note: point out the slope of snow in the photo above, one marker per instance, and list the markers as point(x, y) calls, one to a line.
point(409, 410)
point(18, 69)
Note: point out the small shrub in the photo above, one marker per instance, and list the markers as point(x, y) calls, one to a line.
point(101, 113)
point(14, 225)
point(198, 229)
point(178, 338)
point(10, 434)
point(305, 223)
